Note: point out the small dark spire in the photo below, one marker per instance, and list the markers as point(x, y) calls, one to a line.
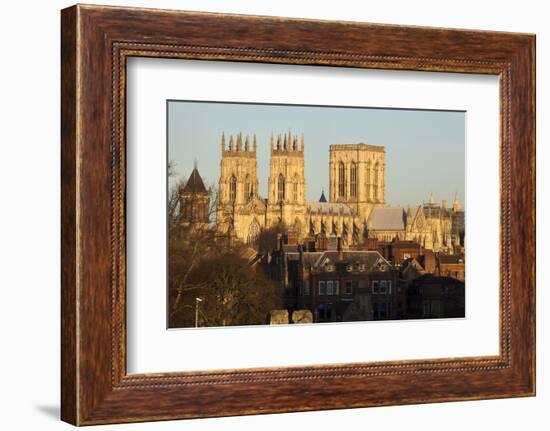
point(194, 183)
point(323, 198)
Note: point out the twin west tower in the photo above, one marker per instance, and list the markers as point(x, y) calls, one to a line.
point(356, 173)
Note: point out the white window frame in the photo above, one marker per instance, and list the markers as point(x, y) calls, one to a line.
point(375, 287)
point(330, 288)
point(322, 288)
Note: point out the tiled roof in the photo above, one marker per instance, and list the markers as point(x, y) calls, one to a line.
point(311, 257)
point(367, 257)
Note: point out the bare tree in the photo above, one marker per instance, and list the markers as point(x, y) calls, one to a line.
point(269, 237)
point(231, 293)
point(202, 263)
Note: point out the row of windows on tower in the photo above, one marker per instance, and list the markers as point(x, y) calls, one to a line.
point(342, 180)
point(248, 190)
point(281, 189)
point(195, 211)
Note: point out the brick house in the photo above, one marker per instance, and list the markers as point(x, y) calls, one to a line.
point(344, 285)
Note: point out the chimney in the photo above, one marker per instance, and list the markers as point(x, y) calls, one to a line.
point(340, 250)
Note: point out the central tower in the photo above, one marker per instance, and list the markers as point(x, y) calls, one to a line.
point(287, 185)
point(356, 175)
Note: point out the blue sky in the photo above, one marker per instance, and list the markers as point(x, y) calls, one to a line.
point(425, 150)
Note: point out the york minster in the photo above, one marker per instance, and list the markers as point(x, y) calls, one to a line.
point(355, 209)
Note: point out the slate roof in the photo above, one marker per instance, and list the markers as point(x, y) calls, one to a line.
point(194, 183)
point(387, 218)
point(369, 258)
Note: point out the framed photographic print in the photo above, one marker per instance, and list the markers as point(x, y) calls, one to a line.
point(323, 214)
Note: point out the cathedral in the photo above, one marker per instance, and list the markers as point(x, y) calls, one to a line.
point(356, 173)
point(356, 208)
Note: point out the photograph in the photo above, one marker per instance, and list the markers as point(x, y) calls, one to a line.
point(284, 214)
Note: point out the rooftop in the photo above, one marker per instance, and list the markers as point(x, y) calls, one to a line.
point(387, 218)
point(194, 183)
point(358, 147)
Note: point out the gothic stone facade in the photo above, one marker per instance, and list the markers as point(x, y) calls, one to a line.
point(356, 187)
point(356, 207)
point(434, 227)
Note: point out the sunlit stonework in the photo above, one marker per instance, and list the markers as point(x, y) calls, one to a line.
point(356, 208)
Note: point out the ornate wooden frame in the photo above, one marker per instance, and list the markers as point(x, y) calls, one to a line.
point(95, 43)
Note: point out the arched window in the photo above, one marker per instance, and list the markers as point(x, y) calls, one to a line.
point(233, 189)
point(247, 192)
point(295, 188)
point(341, 180)
point(376, 184)
point(369, 180)
point(253, 233)
point(281, 188)
point(353, 180)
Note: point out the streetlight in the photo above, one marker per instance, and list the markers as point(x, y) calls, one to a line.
point(197, 301)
